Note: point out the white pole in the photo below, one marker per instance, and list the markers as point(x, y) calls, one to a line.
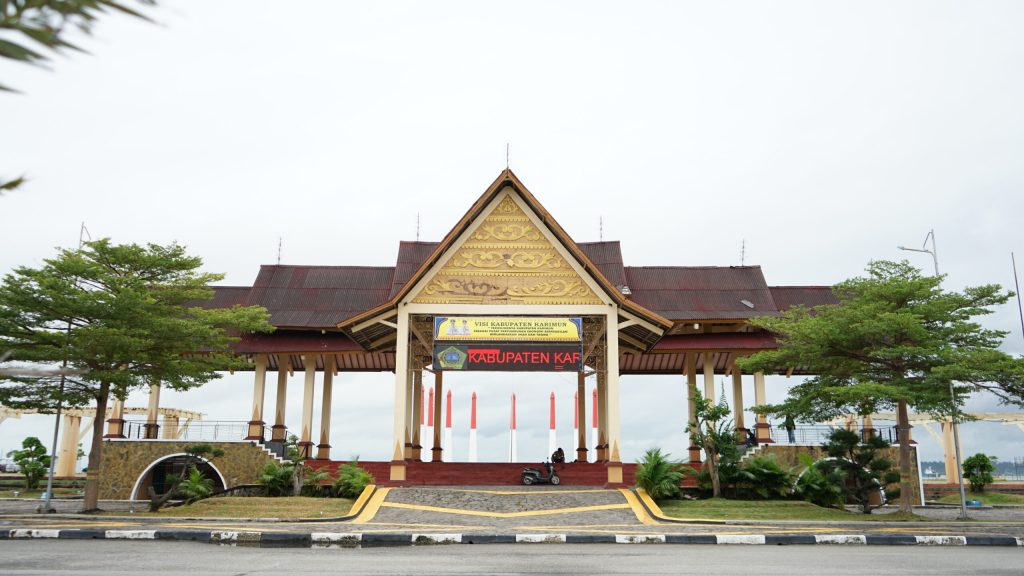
point(552, 439)
point(448, 447)
point(472, 430)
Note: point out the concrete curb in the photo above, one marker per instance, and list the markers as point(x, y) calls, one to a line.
point(378, 539)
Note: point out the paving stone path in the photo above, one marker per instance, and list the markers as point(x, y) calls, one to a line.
point(491, 507)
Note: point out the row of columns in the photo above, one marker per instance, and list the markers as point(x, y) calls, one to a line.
point(408, 396)
point(279, 430)
point(762, 430)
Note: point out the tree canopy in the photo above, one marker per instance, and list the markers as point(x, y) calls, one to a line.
point(31, 28)
point(895, 339)
point(125, 316)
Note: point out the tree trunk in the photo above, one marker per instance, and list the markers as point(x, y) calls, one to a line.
point(716, 483)
point(92, 486)
point(903, 435)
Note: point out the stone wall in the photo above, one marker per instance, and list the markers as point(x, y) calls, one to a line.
point(788, 456)
point(123, 461)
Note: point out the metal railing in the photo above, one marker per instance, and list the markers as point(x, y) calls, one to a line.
point(209, 430)
point(816, 435)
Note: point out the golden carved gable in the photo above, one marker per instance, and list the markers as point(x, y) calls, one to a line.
point(506, 260)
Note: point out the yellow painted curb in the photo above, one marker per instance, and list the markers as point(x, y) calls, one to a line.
point(659, 515)
point(637, 507)
point(361, 500)
point(372, 506)
point(521, 492)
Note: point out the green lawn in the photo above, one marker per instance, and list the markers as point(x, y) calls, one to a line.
point(291, 508)
point(723, 509)
point(22, 493)
point(987, 498)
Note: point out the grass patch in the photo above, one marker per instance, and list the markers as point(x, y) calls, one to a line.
point(723, 509)
point(290, 508)
point(987, 498)
point(57, 493)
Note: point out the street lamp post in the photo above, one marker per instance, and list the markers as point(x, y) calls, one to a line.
point(952, 392)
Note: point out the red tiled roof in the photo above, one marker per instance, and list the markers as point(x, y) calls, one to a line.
point(319, 296)
point(716, 341)
point(788, 296)
point(224, 297)
point(411, 255)
point(607, 256)
point(701, 292)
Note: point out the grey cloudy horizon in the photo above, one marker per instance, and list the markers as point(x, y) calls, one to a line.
point(820, 136)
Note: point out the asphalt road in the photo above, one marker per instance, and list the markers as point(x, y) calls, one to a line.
point(106, 558)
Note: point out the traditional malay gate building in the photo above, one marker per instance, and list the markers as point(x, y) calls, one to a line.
point(506, 289)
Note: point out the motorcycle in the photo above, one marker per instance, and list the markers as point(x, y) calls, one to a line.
point(534, 476)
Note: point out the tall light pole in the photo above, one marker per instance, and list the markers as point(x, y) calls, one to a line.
point(952, 392)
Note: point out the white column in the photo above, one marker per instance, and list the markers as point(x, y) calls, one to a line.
point(278, 432)
point(449, 449)
point(258, 393)
point(614, 422)
point(552, 436)
point(401, 377)
point(306, 439)
point(323, 449)
point(152, 428)
point(762, 429)
point(737, 402)
point(690, 363)
point(709, 377)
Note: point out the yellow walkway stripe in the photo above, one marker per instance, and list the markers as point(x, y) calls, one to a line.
point(372, 506)
point(522, 514)
point(521, 492)
point(638, 508)
point(363, 497)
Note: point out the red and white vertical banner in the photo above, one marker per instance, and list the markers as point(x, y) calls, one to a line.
point(472, 430)
point(575, 421)
point(448, 454)
point(425, 439)
point(552, 439)
point(512, 448)
point(592, 454)
point(430, 417)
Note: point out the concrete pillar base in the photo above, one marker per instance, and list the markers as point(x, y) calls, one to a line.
point(323, 451)
point(407, 451)
point(397, 471)
point(614, 473)
point(581, 454)
point(436, 454)
point(305, 450)
point(417, 452)
point(694, 452)
point(152, 431)
point(278, 432)
point(255, 430)
point(763, 433)
point(115, 428)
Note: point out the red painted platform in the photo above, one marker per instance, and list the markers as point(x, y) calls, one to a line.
point(482, 473)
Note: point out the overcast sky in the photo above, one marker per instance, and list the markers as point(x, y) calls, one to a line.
point(823, 134)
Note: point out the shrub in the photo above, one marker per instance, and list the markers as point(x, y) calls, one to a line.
point(978, 471)
point(32, 460)
point(659, 475)
point(195, 486)
point(819, 486)
point(857, 468)
point(352, 479)
point(763, 477)
point(276, 479)
point(313, 484)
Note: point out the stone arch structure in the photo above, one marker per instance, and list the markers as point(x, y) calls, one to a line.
point(148, 471)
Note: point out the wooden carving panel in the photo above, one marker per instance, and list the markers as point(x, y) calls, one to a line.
point(506, 260)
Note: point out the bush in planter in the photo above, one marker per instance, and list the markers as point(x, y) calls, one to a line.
point(978, 471)
point(352, 479)
point(659, 475)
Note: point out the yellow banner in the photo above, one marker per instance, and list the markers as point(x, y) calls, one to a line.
point(507, 329)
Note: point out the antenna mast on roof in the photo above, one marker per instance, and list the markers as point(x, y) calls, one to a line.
point(506, 155)
point(417, 226)
point(743, 251)
point(600, 228)
point(278, 250)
